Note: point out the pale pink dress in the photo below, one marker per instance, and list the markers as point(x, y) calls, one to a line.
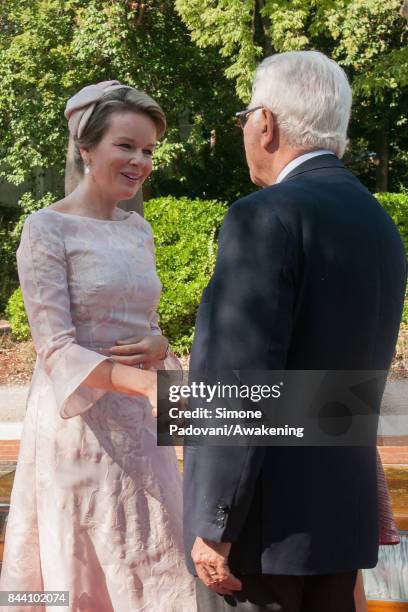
point(96, 507)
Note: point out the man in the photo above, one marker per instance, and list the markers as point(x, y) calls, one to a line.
point(310, 275)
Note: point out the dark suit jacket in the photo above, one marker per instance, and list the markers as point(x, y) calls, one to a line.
point(310, 274)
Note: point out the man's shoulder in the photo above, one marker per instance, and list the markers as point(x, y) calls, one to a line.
point(275, 196)
point(266, 212)
point(311, 198)
point(303, 194)
point(280, 201)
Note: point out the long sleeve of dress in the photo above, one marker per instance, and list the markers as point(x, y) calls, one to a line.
point(154, 325)
point(154, 318)
point(42, 269)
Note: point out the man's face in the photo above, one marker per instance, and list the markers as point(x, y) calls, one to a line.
point(254, 150)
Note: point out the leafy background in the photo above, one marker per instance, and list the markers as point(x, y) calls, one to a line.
point(196, 58)
point(186, 244)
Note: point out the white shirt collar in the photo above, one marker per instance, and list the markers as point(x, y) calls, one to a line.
point(299, 160)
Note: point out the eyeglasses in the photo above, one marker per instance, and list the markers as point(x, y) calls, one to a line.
point(243, 116)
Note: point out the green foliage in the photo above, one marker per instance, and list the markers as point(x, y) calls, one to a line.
point(8, 246)
point(33, 56)
point(49, 49)
point(28, 204)
point(404, 318)
point(11, 225)
point(368, 38)
point(226, 24)
point(185, 234)
point(371, 38)
point(17, 317)
point(396, 205)
point(371, 43)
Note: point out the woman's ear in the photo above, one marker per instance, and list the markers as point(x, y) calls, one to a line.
point(86, 160)
point(85, 156)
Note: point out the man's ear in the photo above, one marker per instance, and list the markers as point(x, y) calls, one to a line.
point(268, 128)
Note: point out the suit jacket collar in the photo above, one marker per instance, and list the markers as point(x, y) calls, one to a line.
point(315, 163)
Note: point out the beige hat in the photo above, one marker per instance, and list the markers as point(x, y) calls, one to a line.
point(79, 108)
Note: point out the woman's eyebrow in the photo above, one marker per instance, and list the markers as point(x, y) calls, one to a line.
point(127, 139)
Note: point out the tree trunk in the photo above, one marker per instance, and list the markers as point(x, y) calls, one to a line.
point(260, 26)
point(383, 157)
point(72, 178)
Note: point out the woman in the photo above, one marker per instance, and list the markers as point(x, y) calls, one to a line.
point(96, 505)
point(388, 531)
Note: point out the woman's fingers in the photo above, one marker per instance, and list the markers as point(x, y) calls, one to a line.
point(133, 360)
point(131, 340)
point(152, 347)
point(129, 349)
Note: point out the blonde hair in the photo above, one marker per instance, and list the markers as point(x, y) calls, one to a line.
point(123, 99)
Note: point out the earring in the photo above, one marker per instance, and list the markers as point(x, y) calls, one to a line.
point(86, 169)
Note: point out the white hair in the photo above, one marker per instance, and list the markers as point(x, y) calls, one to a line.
point(310, 97)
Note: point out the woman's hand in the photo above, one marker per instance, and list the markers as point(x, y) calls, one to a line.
point(136, 351)
point(125, 379)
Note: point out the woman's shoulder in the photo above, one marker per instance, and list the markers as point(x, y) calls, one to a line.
point(42, 221)
point(141, 221)
point(37, 218)
point(58, 219)
point(136, 219)
point(41, 233)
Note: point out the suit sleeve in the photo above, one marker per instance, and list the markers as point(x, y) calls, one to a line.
point(249, 312)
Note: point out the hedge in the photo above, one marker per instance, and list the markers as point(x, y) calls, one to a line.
point(8, 247)
point(11, 225)
point(16, 314)
point(185, 235)
point(396, 205)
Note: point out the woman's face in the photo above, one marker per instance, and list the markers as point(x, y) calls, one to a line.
point(121, 162)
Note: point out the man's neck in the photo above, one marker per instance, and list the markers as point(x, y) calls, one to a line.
point(281, 161)
point(286, 159)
